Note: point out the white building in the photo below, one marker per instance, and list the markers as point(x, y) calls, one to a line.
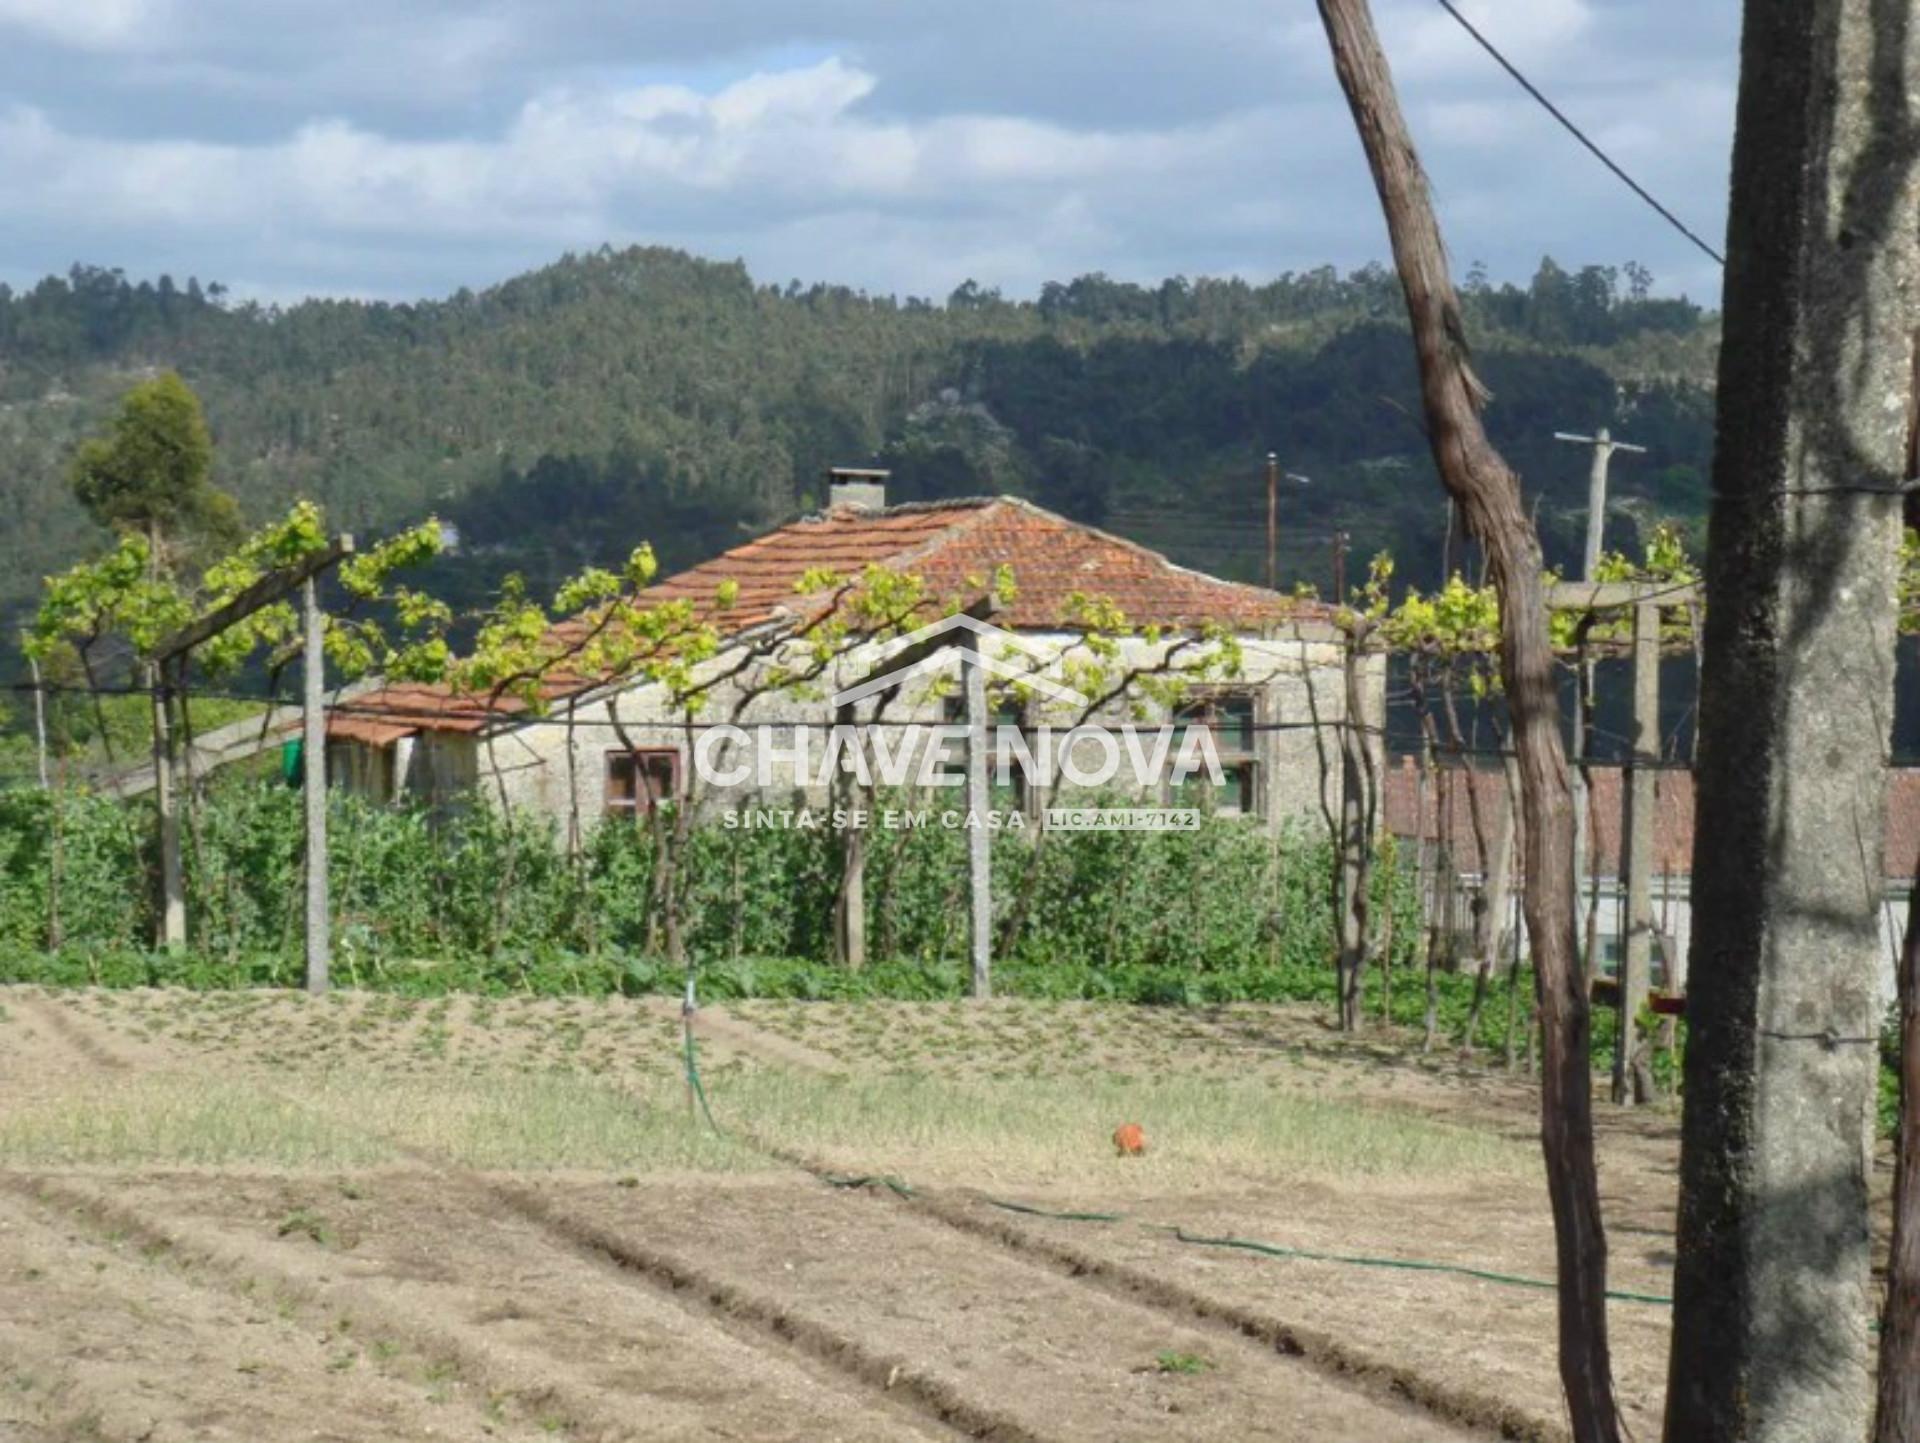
point(1078, 611)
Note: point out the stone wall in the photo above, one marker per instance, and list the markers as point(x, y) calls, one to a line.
point(558, 765)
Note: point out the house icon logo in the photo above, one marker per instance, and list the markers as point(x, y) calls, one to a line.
point(970, 642)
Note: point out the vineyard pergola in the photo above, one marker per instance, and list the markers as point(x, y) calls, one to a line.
point(171, 653)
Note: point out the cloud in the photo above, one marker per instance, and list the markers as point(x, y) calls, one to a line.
point(402, 150)
point(82, 24)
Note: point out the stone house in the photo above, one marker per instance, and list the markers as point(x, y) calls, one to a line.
point(1064, 603)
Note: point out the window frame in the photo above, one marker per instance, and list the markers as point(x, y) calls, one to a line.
point(1005, 711)
point(1243, 759)
point(635, 804)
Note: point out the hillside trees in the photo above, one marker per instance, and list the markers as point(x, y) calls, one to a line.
point(1126, 405)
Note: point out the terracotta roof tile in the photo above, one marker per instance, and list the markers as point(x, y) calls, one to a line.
point(956, 546)
point(1673, 816)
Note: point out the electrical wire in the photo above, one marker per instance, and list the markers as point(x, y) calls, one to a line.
point(1578, 134)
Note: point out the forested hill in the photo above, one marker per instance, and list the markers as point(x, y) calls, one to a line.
point(571, 412)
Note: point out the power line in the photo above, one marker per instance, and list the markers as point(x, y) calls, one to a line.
point(1578, 134)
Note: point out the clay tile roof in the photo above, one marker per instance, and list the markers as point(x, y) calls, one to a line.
point(956, 546)
point(1672, 822)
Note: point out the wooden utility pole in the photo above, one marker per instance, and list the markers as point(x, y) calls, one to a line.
point(1772, 1295)
point(1488, 492)
point(1273, 520)
point(979, 839)
point(1603, 446)
point(313, 773)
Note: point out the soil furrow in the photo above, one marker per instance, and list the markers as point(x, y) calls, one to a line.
point(111, 1332)
point(1366, 1373)
point(61, 1023)
point(521, 1315)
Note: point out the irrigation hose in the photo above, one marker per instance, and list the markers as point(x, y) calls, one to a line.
point(693, 1076)
point(1483, 1275)
point(1032, 1211)
point(901, 1189)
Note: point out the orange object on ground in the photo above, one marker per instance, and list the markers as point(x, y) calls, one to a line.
point(1129, 1139)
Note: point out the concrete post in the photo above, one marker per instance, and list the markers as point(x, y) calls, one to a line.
point(1773, 1305)
point(173, 887)
point(313, 759)
point(979, 839)
point(1636, 965)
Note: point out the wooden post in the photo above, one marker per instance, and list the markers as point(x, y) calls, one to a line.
point(313, 766)
point(1637, 842)
point(979, 839)
point(173, 891)
point(1358, 787)
point(1273, 520)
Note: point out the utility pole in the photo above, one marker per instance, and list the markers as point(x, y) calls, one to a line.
point(1340, 568)
point(313, 768)
point(1274, 477)
point(1603, 446)
point(1273, 520)
point(1773, 1298)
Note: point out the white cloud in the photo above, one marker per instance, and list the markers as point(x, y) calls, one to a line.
point(272, 146)
point(83, 24)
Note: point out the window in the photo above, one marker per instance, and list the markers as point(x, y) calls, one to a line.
point(1229, 716)
point(1002, 712)
point(636, 781)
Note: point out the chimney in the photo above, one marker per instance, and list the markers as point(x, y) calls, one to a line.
point(861, 489)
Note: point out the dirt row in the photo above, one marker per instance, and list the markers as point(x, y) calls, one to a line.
point(767, 1309)
point(770, 1311)
point(932, 1317)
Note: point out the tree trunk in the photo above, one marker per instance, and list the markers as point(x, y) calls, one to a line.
point(1898, 1415)
point(1771, 1292)
point(1496, 882)
point(1358, 788)
point(1488, 494)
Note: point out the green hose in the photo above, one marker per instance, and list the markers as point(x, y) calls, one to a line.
point(693, 1080)
point(1408, 1264)
point(902, 1190)
point(1031, 1211)
point(859, 1180)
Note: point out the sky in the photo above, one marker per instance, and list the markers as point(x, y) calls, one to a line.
point(405, 148)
